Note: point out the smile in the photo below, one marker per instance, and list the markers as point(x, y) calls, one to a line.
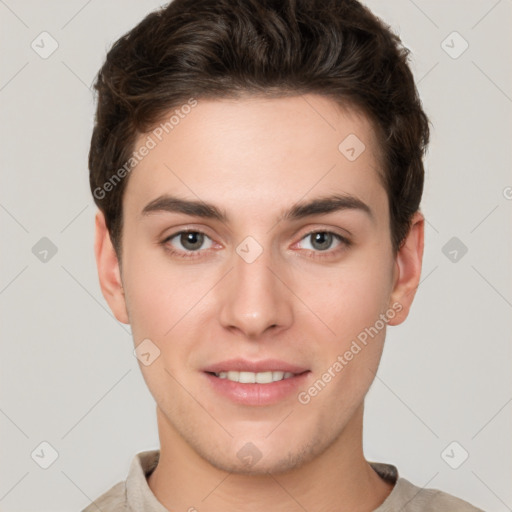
point(265, 377)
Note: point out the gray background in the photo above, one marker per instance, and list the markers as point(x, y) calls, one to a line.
point(68, 374)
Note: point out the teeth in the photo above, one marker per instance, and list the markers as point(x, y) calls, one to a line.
point(277, 375)
point(253, 378)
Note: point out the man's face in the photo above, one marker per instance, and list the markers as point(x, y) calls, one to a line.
point(257, 286)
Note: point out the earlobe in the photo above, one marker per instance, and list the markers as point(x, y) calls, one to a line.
point(408, 269)
point(109, 273)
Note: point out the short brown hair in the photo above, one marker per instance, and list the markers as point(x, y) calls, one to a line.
point(228, 48)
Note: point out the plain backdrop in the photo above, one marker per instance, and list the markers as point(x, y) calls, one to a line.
point(68, 374)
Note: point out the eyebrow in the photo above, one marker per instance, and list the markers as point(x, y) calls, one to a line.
point(318, 206)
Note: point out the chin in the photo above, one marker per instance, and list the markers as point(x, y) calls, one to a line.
point(261, 458)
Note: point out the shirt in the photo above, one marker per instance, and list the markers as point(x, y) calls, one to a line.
point(135, 495)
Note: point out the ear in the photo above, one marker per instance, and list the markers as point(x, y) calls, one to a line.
point(408, 269)
point(108, 270)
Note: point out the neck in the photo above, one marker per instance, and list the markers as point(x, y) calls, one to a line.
point(339, 479)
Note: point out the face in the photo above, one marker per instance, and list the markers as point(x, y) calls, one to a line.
point(257, 261)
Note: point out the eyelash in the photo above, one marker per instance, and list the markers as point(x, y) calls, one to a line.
point(346, 243)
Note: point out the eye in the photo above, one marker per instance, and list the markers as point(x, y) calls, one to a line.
point(322, 241)
point(187, 242)
point(191, 243)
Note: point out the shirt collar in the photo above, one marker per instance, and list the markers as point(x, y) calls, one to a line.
point(141, 497)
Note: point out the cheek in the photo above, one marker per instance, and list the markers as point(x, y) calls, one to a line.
point(347, 298)
point(163, 299)
point(357, 299)
point(151, 295)
point(147, 302)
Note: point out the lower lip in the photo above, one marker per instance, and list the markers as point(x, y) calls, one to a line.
point(257, 394)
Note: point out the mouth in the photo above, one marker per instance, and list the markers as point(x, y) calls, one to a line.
point(256, 382)
point(265, 377)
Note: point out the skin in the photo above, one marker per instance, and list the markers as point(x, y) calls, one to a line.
point(255, 158)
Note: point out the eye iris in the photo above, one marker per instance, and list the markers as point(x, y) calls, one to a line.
point(324, 240)
point(192, 241)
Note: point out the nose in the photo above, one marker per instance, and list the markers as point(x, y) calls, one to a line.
point(255, 298)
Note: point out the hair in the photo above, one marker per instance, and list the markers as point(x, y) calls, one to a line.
point(219, 49)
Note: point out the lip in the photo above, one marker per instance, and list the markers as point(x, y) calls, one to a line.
point(244, 365)
point(256, 394)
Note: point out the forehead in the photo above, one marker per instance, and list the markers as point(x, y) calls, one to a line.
point(256, 154)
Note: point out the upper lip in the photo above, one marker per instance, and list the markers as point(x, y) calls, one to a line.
point(244, 365)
